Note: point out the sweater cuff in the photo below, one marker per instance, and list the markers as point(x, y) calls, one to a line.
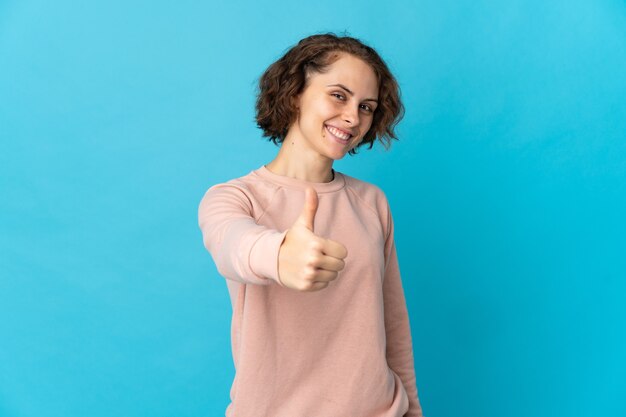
point(264, 255)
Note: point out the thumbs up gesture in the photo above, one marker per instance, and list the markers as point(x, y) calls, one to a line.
point(307, 262)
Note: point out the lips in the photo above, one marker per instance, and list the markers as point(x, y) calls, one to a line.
point(347, 132)
point(337, 138)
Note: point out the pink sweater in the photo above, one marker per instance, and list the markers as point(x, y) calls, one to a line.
point(343, 351)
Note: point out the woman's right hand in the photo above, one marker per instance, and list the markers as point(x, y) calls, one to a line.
point(307, 262)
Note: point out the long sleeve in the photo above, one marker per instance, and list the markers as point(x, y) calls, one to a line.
point(398, 331)
point(242, 250)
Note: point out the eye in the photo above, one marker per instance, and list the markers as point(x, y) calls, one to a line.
point(339, 96)
point(367, 107)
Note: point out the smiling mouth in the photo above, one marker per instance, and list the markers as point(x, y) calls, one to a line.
point(339, 135)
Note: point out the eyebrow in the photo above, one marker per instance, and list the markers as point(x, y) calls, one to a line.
point(351, 93)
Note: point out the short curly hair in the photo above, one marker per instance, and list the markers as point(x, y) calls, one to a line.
point(286, 78)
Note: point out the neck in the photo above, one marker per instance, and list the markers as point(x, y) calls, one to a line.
point(290, 162)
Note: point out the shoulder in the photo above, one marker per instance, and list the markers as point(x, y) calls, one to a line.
point(248, 191)
point(370, 195)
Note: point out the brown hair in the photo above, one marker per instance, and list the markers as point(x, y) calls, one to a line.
point(286, 78)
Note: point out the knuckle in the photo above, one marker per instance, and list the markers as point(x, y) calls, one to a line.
point(316, 245)
point(314, 260)
point(308, 274)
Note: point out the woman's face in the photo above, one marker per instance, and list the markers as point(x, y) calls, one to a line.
point(336, 108)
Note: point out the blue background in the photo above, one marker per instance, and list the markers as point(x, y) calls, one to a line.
point(508, 189)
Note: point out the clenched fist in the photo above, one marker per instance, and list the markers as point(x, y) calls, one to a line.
point(307, 262)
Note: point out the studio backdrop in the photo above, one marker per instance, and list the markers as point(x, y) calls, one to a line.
point(507, 187)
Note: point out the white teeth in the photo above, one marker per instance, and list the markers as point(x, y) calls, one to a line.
point(338, 133)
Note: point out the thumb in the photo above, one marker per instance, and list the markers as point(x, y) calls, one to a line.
point(307, 216)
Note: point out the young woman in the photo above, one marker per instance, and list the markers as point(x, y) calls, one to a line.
point(320, 326)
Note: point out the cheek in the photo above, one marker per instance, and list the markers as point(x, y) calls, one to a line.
point(327, 106)
point(316, 109)
point(368, 125)
point(311, 122)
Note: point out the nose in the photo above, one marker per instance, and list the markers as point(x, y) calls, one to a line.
point(351, 115)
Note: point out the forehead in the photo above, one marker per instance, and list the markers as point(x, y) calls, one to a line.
point(353, 72)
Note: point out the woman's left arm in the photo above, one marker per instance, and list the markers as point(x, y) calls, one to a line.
point(397, 328)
